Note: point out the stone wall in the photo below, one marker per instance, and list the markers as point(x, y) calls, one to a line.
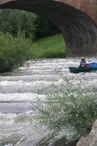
point(91, 139)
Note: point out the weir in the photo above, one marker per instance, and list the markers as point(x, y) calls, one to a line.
point(15, 107)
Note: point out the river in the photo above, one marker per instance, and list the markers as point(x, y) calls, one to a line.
point(20, 89)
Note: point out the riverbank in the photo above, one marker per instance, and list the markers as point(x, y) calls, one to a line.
point(48, 47)
point(14, 51)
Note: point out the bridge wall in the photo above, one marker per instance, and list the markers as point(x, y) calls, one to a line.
point(89, 7)
point(76, 20)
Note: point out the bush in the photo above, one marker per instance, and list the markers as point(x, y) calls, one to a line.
point(33, 25)
point(72, 109)
point(13, 51)
point(12, 21)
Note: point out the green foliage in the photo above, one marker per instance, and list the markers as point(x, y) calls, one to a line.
point(48, 47)
point(13, 21)
point(71, 109)
point(13, 51)
point(33, 25)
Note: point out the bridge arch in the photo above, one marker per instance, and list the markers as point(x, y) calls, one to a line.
point(78, 29)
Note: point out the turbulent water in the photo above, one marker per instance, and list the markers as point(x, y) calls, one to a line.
point(20, 90)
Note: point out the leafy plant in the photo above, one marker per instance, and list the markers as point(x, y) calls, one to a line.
point(71, 109)
point(13, 51)
point(12, 21)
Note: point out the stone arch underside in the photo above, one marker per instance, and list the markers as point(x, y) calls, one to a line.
point(78, 30)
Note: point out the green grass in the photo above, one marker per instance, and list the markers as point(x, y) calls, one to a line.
point(48, 47)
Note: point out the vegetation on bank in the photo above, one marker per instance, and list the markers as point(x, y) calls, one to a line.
point(13, 51)
point(34, 26)
point(71, 109)
point(18, 30)
point(48, 47)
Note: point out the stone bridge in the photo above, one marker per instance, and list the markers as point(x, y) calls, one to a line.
point(76, 19)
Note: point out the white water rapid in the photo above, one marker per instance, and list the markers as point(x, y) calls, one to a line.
point(20, 90)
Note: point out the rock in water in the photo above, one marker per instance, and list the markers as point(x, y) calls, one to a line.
point(91, 139)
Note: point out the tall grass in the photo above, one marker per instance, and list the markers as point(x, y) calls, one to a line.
point(13, 51)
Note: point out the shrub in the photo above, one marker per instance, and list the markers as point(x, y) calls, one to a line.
point(13, 51)
point(71, 109)
point(12, 21)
